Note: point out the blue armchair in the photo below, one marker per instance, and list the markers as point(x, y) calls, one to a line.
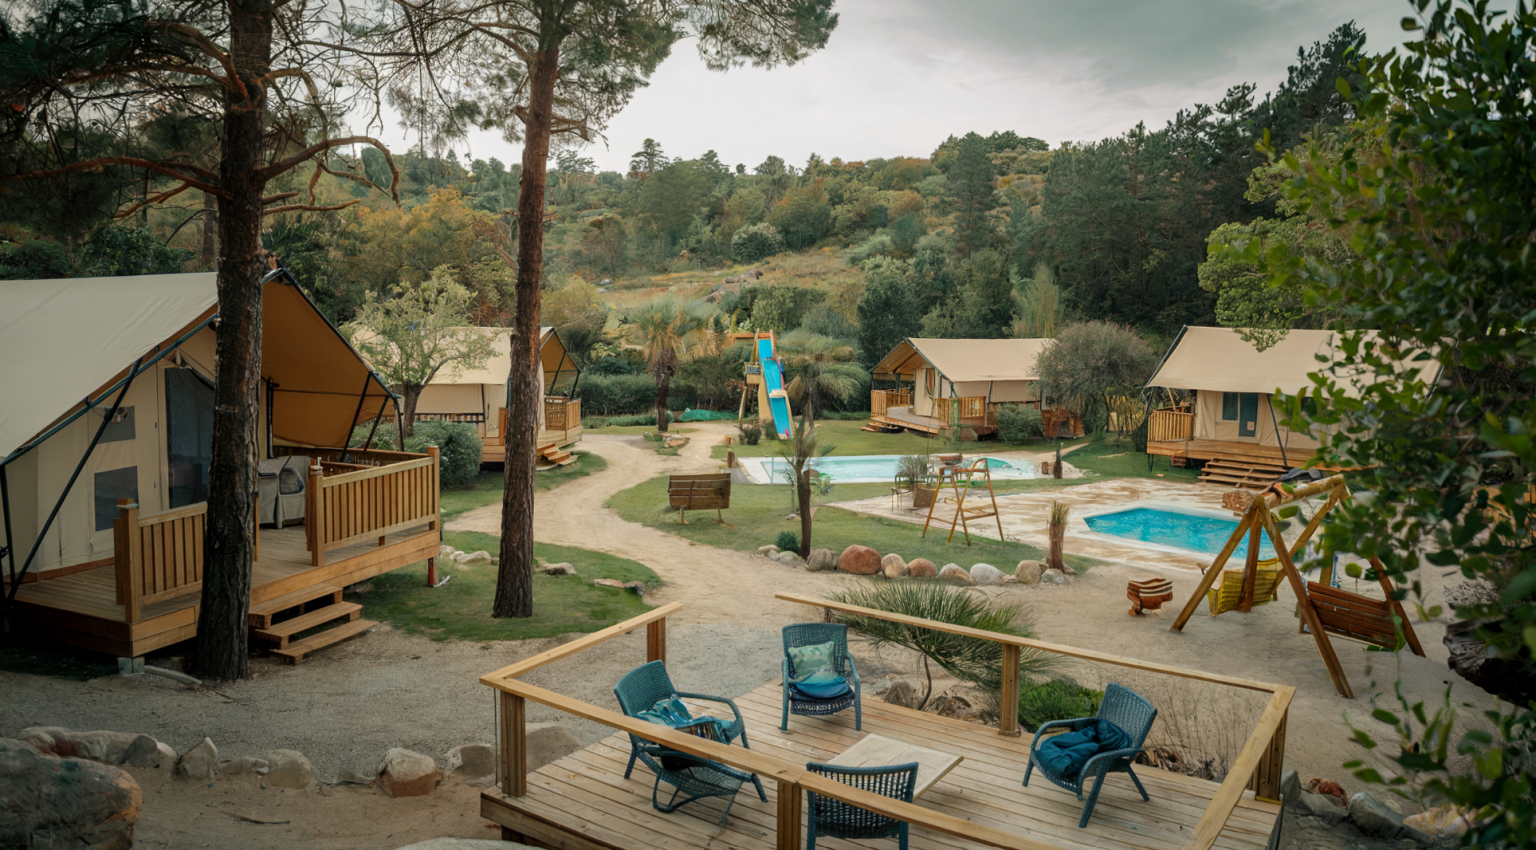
point(836, 819)
point(798, 702)
point(1122, 707)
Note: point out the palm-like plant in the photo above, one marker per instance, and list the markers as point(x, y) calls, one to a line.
point(670, 332)
point(820, 368)
point(798, 453)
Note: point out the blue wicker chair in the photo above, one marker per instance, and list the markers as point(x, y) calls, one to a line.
point(691, 777)
point(835, 819)
point(795, 702)
point(1121, 706)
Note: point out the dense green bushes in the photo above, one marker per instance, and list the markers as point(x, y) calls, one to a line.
point(1055, 699)
point(756, 241)
point(614, 395)
point(1017, 423)
point(457, 443)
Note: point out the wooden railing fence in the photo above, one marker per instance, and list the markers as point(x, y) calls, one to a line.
point(348, 457)
point(341, 510)
point(882, 400)
point(561, 414)
point(1257, 766)
point(1170, 424)
point(966, 410)
point(157, 557)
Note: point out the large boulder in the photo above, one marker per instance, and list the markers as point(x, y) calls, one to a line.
point(404, 773)
point(1372, 817)
point(770, 549)
point(821, 560)
point(1322, 807)
point(1053, 577)
point(288, 769)
point(549, 742)
point(470, 762)
point(115, 748)
point(986, 574)
point(1028, 572)
point(901, 693)
point(788, 559)
point(560, 569)
point(953, 572)
point(893, 566)
point(922, 568)
point(48, 801)
point(200, 762)
point(859, 560)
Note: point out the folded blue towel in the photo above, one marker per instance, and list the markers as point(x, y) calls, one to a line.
point(1064, 755)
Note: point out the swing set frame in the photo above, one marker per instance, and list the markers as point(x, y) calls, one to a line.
point(963, 515)
point(1340, 613)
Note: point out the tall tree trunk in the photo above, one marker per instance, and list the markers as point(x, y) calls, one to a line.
point(803, 492)
point(663, 390)
point(412, 395)
point(228, 549)
point(514, 576)
point(210, 249)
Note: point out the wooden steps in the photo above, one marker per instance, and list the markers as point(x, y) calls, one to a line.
point(1247, 475)
point(261, 615)
point(552, 455)
point(284, 631)
point(296, 651)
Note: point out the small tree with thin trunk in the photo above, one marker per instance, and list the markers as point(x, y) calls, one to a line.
point(671, 332)
point(419, 331)
point(800, 450)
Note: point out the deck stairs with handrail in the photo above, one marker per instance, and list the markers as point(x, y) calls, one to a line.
point(1248, 475)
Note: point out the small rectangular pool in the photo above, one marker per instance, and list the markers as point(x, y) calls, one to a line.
point(856, 469)
point(1197, 532)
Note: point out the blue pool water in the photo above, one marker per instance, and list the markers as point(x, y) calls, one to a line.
point(1174, 528)
point(866, 468)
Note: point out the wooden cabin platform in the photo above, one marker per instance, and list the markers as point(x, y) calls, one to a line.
point(81, 609)
point(583, 801)
point(902, 418)
point(1230, 450)
point(494, 450)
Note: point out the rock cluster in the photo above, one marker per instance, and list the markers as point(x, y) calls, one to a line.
point(865, 561)
point(465, 559)
point(64, 801)
point(1320, 805)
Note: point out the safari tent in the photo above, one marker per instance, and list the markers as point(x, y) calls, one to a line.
point(480, 396)
point(1234, 423)
point(954, 381)
point(109, 385)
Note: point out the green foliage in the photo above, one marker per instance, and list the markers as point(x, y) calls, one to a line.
point(781, 307)
point(33, 259)
point(1039, 305)
point(611, 395)
point(756, 242)
point(887, 314)
point(670, 198)
point(1430, 191)
point(1018, 423)
point(671, 332)
point(787, 541)
point(457, 443)
point(1090, 362)
point(303, 245)
point(819, 369)
point(751, 433)
point(121, 250)
point(971, 176)
point(971, 660)
point(804, 218)
point(1055, 699)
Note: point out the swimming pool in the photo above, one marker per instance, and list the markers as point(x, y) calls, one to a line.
point(1179, 529)
point(860, 469)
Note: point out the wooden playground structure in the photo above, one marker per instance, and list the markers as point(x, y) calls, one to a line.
point(1324, 610)
point(963, 515)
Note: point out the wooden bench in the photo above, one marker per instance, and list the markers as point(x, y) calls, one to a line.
point(1353, 616)
point(699, 491)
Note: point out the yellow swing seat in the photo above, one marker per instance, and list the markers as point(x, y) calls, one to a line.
point(1266, 587)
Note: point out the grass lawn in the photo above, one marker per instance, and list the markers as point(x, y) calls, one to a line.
point(487, 486)
point(757, 514)
point(638, 430)
point(461, 609)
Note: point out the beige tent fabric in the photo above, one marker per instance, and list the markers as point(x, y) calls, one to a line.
point(552, 353)
point(62, 340)
point(1210, 426)
point(1219, 359)
point(965, 361)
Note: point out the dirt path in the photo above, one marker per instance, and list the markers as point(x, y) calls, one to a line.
point(717, 585)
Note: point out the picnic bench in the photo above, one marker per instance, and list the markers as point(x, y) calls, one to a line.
point(699, 491)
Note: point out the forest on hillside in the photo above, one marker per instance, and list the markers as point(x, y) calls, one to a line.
point(984, 236)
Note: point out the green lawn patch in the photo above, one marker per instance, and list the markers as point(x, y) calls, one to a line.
point(638, 430)
point(461, 609)
point(487, 487)
point(758, 513)
point(1108, 456)
point(849, 438)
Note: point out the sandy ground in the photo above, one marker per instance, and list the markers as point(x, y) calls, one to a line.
point(347, 705)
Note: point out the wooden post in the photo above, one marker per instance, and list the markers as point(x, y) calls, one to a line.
point(435, 453)
point(1308, 613)
point(314, 515)
point(1214, 573)
point(512, 758)
point(1397, 607)
point(1250, 569)
point(656, 641)
point(128, 553)
point(790, 802)
point(1008, 721)
point(1266, 779)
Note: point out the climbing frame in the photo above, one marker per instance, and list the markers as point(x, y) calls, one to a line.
point(963, 515)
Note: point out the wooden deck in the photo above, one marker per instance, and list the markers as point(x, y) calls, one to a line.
point(903, 418)
point(82, 610)
point(583, 801)
point(494, 451)
point(1230, 450)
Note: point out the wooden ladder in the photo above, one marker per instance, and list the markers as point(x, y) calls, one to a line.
point(282, 619)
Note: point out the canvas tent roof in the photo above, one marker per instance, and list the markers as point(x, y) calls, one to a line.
point(1220, 360)
point(964, 360)
point(62, 341)
point(495, 371)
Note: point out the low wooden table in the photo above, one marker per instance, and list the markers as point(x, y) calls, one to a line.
point(875, 751)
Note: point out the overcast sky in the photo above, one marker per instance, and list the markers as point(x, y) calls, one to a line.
point(899, 76)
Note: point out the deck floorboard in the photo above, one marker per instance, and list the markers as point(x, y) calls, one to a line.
point(584, 801)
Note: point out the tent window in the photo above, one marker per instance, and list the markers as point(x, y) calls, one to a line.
point(189, 435)
point(120, 428)
point(1229, 406)
point(110, 486)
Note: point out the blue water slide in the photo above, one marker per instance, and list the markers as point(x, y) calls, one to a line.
point(773, 377)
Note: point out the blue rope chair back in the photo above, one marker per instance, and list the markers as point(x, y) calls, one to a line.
point(840, 820)
point(1128, 710)
point(810, 634)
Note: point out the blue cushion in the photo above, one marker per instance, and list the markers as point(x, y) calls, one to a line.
point(1065, 755)
point(822, 684)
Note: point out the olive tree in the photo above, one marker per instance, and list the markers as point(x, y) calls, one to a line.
point(1089, 364)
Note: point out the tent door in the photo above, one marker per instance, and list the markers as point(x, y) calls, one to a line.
point(1248, 415)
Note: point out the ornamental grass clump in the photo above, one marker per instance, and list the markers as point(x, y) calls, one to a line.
point(1057, 529)
point(971, 660)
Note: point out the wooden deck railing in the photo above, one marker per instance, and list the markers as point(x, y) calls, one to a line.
point(561, 414)
point(158, 556)
point(348, 457)
point(882, 400)
point(471, 418)
point(1170, 424)
point(1257, 765)
point(364, 504)
point(967, 410)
